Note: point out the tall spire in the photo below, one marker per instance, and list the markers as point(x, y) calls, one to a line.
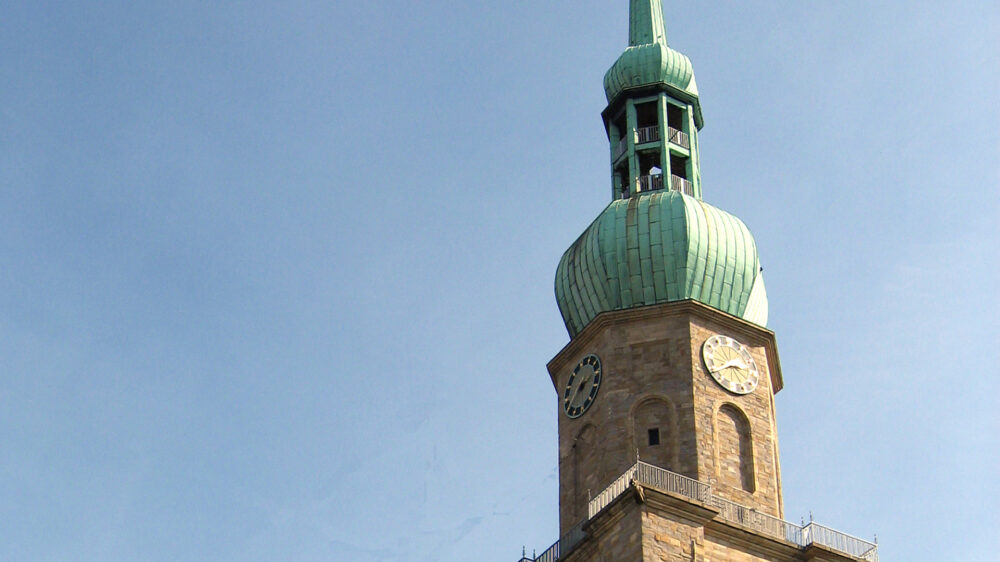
point(645, 23)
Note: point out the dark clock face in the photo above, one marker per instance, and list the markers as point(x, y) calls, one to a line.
point(581, 390)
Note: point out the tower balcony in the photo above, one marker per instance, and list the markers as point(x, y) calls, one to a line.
point(678, 137)
point(654, 182)
point(647, 134)
point(643, 478)
point(678, 183)
point(650, 183)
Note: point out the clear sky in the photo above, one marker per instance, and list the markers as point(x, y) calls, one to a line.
point(276, 277)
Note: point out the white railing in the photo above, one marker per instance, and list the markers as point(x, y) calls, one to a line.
point(678, 183)
point(663, 479)
point(550, 555)
point(567, 541)
point(758, 521)
point(647, 134)
point(678, 137)
point(750, 518)
point(609, 494)
point(651, 183)
point(820, 534)
point(649, 475)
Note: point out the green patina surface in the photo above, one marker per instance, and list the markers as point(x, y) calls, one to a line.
point(648, 60)
point(650, 247)
point(660, 247)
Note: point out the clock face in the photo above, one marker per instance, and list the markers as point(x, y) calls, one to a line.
point(581, 390)
point(730, 364)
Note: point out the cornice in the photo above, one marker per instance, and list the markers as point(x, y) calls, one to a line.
point(749, 331)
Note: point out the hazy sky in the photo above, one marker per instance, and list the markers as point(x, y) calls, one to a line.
point(276, 277)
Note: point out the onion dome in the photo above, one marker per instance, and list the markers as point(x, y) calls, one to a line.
point(660, 247)
point(648, 61)
point(657, 241)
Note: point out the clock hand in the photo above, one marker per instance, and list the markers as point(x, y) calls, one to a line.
point(578, 387)
point(737, 362)
point(572, 397)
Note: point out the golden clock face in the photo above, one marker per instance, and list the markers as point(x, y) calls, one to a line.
point(730, 364)
point(582, 387)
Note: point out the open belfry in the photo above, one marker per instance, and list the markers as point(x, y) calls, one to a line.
point(668, 443)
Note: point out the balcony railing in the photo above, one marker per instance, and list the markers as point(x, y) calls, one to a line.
point(750, 518)
point(567, 541)
point(756, 520)
point(820, 534)
point(647, 134)
point(672, 482)
point(654, 182)
point(678, 137)
point(678, 183)
point(650, 183)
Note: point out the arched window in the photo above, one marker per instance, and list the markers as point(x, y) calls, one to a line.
point(734, 448)
point(654, 430)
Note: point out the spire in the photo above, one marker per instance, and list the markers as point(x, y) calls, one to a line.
point(645, 23)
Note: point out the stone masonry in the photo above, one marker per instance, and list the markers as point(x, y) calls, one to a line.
point(654, 378)
point(647, 525)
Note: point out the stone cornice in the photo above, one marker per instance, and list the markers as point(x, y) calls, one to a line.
point(750, 332)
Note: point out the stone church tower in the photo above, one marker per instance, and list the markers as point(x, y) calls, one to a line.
point(668, 444)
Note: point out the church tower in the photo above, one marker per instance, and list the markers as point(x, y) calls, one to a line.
point(668, 444)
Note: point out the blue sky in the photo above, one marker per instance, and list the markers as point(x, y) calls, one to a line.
point(276, 277)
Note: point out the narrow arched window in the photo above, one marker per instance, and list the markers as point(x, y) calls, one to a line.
point(734, 449)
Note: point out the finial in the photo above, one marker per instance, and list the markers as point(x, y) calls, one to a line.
point(645, 23)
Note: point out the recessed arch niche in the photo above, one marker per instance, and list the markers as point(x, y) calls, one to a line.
point(734, 448)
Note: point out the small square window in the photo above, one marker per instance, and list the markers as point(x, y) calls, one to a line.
point(654, 436)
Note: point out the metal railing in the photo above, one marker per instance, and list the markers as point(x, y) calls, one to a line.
point(651, 182)
point(649, 475)
point(678, 137)
point(610, 493)
point(567, 541)
point(758, 521)
point(665, 480)
point(651, 134)
point(678, 183)
point(647, 134)
point(821, 534)
point(550, 555)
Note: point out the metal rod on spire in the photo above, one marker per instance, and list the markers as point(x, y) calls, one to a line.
point(645, 22)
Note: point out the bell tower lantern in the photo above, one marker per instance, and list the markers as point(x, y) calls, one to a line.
point(653, 113)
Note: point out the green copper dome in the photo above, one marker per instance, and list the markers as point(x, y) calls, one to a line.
point(648, 61)
point(660, 247)
point(657, 241)
point(650, 64)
